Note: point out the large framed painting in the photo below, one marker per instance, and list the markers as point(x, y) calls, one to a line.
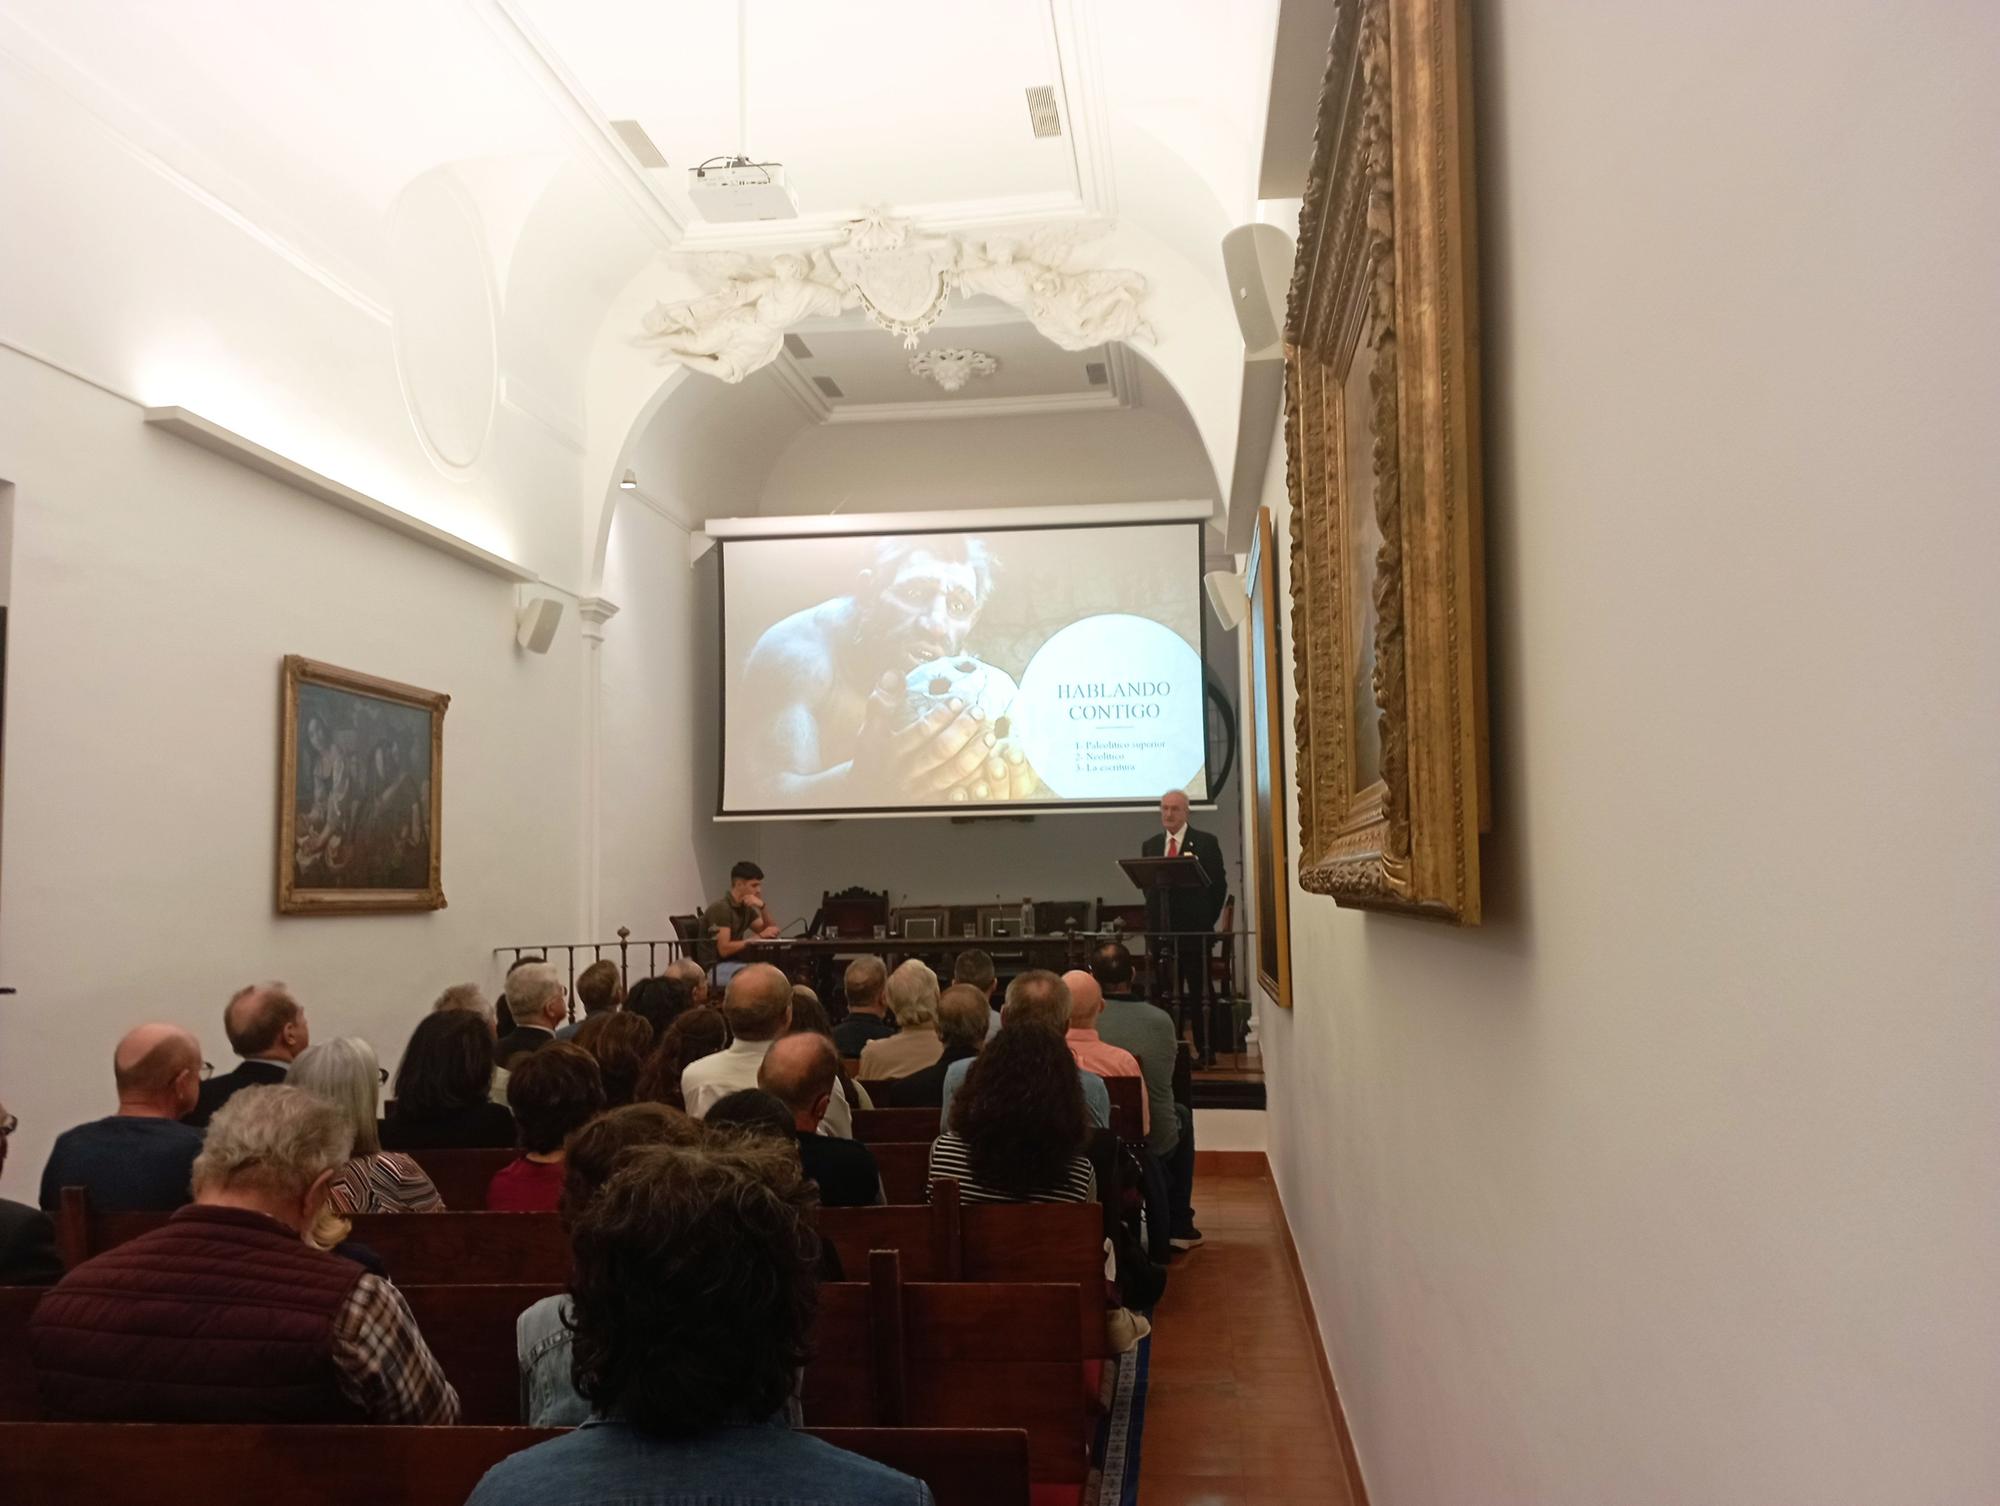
point(1382, 468)
point(1267, 769)
point(359, 792)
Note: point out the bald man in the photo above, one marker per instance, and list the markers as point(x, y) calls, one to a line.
point(141, 1159)
point(267, 1028)
point(1092, 1052)
point(800, 1072)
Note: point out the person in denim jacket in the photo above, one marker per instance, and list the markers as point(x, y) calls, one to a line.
point(692, 1306)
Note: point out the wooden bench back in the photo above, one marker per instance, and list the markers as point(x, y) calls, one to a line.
point(460, 1176)
point(1128, 1099)
point(894, 1354)
point(88, 1464)
point(874, 1126)
point(905, 1165)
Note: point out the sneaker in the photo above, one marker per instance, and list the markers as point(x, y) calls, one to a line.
point(1188, 1239)
point(1123, 1329)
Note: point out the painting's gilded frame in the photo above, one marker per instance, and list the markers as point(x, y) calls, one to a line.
point(294, 899)
point(1265, 759)
point(1386, 257)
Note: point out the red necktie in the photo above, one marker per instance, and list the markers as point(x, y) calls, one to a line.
point(1173, 847)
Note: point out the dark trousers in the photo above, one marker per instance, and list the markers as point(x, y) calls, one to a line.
point(1180, 1174)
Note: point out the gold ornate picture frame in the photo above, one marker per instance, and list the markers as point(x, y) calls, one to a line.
point(1268, 842)
point(360, 792)
point(1382, 469)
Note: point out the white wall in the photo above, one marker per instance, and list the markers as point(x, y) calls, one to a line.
point(155, 589)
point(1676, 1181)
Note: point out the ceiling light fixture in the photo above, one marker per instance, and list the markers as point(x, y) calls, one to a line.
point(628, 482)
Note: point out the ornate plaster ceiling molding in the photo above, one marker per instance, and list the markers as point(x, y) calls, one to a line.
point(953, 366)
point(903, 279)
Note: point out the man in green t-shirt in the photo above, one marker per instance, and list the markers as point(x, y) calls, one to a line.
point(737, 920)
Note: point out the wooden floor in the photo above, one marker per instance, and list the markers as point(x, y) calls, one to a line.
point(1236, 1413)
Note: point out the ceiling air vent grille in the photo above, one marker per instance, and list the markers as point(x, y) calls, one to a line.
point(797, 349)
point(1095, 374)
point(828, 387)
point(1042, 111)
point(638, 143)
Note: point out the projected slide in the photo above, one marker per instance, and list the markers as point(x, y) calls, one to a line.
point(907, 672)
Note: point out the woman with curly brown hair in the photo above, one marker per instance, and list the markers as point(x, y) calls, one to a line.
point(1018, 1125)
point(692, 1306)
point(693, 1035)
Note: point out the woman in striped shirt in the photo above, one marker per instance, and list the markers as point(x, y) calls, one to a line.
point(373, 1180)
point(1018, 1125)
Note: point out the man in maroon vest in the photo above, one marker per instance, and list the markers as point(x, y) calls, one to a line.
point(225, 1313)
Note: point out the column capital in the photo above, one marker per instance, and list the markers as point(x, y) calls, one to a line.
point(595, 611)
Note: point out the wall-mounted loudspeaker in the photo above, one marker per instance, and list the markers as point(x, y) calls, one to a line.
point(1258, 262)
point(536, 623)
point(1229, 596)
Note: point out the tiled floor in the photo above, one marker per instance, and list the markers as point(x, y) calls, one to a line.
point(1236, 1415)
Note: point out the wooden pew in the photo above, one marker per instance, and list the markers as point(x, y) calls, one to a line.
point(470, 1330)
point(873, 1126)
point(20, 1401)
point(905, 1166)
point(893, 1354)
point(460, 1176)
point(90, 1464)
point(1128, 1106)
point(944, 1241)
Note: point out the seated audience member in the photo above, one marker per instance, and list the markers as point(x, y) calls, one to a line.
point(541, 1336)
point(503, 1014)
point(535, 998)
point(692, 1304)
point(750, 1111)
point(865, 983)
point(225, 1313)
point(975, 967)
point(757, 1006)
point(345, 1073)
point(800, 1073)
point(1017, 1128)
point(599, 990)
point(466, 996)
point(1038, 1000)
point(913, 999)
point(693, 977)
point(27, 1235)
point(554, 1093)
point(267, 1028)
point(809, 1018)
point(961, 1030)
point(1147, 1031)
point(443, 1088)
point(698, 1033)
point(139, 1159)
point(619, 1043)
point(1092, 1052)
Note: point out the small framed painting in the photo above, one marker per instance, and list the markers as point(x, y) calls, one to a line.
point(360, 793)
point(1268, 840)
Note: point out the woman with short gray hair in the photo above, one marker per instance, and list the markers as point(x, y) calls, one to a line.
point(346, 1074)
point(913, 1000)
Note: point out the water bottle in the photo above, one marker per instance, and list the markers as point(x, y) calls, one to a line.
point(1027, 917)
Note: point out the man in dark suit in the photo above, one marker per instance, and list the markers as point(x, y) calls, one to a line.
point(1182, 965)
point(27, 1235)
point(267, 1027)
point(536, 998)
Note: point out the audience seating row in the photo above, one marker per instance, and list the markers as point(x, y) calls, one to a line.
point(887, 1353)
point(938, 1241)
point(88, 1464)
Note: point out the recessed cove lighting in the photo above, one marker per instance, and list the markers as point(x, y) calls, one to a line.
point(628, 482)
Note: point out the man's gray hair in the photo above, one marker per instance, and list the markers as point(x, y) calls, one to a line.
point(278, 1138)
point(1040, 997)
point(345, 1073)
point(863, 980)
point(469, 997)
point(913, 995)
point(529, 988)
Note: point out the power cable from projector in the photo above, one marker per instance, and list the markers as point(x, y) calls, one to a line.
point(701, 168)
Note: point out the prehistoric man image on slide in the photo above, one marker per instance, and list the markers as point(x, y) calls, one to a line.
point(875, 697)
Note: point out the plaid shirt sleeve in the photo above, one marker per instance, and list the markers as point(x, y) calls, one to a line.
point(385, 1367)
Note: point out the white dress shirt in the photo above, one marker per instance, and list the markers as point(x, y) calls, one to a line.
point(706, 1082)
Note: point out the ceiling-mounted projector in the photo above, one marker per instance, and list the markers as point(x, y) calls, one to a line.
point(735, 189)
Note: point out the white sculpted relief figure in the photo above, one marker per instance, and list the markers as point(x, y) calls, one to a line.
point(903, 279)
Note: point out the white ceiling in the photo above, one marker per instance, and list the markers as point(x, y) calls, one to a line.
point(865, 102)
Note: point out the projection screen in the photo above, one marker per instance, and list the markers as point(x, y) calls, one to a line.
point(939, 672)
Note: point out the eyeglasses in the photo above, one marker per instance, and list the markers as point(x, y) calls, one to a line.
point(207, 1070)
point(382, 1074)
point(8, 1124)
